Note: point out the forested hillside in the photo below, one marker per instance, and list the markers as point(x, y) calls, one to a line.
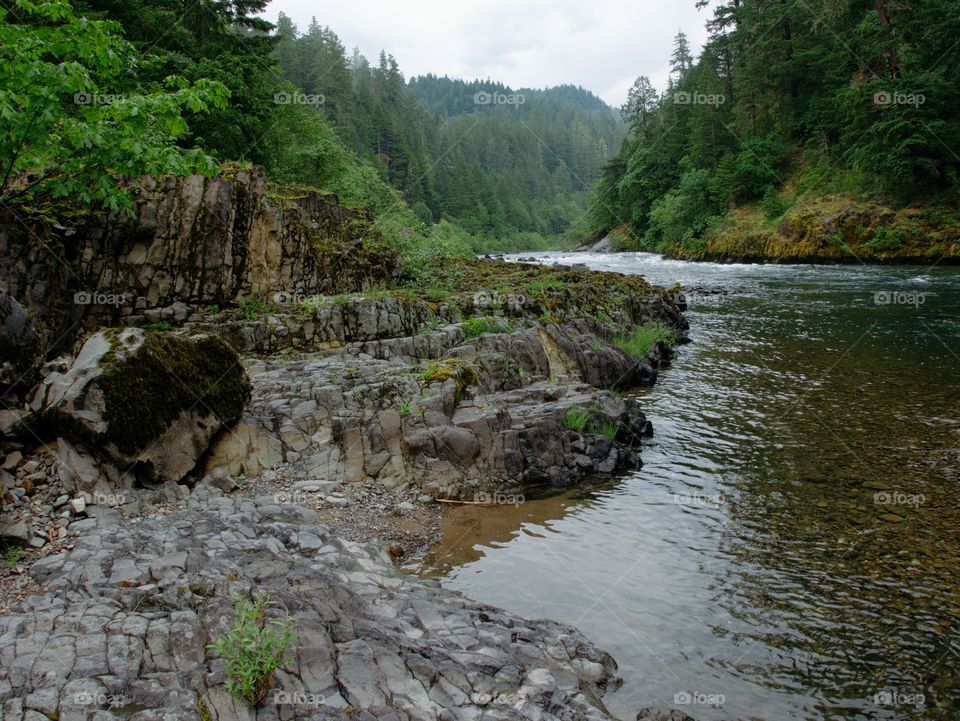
point(793, 113)
point(444, 170)
point(510, 167)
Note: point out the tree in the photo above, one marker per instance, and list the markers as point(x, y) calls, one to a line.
point(641, 101)
point(64, 129)
point(682, 59)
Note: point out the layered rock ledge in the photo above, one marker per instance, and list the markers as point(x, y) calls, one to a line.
point(122, 626)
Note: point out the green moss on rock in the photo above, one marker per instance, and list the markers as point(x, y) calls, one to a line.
point(167, 376)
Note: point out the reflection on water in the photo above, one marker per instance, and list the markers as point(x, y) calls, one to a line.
point(791, 548)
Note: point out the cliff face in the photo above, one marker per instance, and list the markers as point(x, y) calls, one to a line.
point(191, 241)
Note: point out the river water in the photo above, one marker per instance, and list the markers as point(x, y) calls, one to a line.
point(791, 547)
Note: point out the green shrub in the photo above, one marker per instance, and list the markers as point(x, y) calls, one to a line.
point(12, 556)
point(478, 326)
point(251, 309)
point(773, 205)
point(682, 215)
point(885, 238)
point(641, 341)
point(576, 418)
point(253, 649)
point(610, 429)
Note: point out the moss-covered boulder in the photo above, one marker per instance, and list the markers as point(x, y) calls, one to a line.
point(151, 402)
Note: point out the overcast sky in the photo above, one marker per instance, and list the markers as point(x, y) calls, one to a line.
point(602, 45)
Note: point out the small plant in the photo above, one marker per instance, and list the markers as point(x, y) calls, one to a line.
point(885, 238)
point(404, 409)
point(478, 326)
point(610, 429)
point(253, 649)
point(436, 294)
point(251, 309)
point(309, 307)
point(773, 205)
point(430, 325)
point(604, 317)
point(211, 310)
point(158, 325)
point(12, 556)
point(641, 341)
point(576, 418)
point(538, 285)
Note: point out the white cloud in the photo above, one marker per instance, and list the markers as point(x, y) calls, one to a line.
point(603, 45)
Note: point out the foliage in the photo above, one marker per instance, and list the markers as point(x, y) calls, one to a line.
point(74, 125)
point(610, 429)
point(12, 556)
point(576, 418)
point(639, 343)
point(478, 326)
point(773, 92)
point(253, 649)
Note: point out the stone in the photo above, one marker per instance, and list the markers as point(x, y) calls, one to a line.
point(168, 395)
point(12, 460)
point(15, 530)
point(221, 479)
point(77, 505)
point(80, 472)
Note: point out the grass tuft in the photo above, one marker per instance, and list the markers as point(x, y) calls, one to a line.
point(641, 341)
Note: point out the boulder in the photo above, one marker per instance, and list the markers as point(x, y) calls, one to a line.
point(82, 473)
point(148, 403)
point(19, 342)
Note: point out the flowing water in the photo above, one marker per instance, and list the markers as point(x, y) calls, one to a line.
point(791, 547)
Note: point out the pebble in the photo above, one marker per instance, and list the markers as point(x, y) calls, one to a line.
point(78, 505)
point(12, 460)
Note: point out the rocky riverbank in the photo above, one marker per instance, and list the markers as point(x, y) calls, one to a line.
point(122, 628)
point(830, 229)
point(281, 412)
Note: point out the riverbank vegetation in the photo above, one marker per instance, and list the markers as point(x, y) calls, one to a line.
point(799, 132)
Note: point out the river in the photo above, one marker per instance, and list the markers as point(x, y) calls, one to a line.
point(791, 547)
